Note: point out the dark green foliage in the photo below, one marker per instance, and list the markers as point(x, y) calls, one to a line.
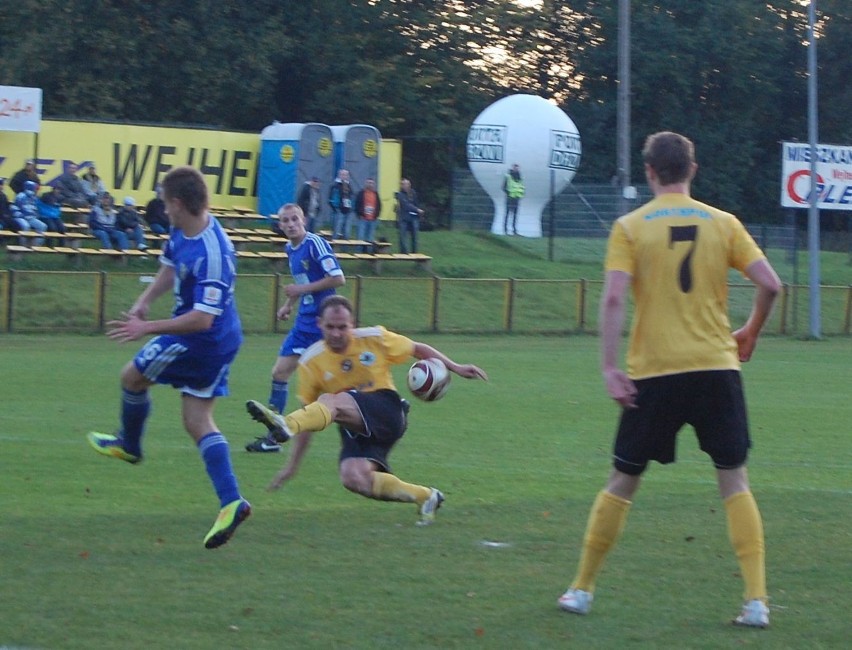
point(732, 75)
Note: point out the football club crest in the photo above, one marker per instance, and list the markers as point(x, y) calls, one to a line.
point(346, 366)
point(367, 358)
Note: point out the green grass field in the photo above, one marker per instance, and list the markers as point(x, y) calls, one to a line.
point(96, 554)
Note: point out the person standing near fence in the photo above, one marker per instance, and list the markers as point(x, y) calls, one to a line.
point(310, 202)
point(368, 206)
point(341, 198)
point(408, 213)
point(191, 351)
point(683, 361)
point(316, 274)
point(513, 186)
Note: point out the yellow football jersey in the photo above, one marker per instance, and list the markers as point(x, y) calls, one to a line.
point(678, 252)
point(365, 366)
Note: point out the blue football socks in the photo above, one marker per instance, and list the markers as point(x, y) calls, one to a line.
point(278, 396)
point(135, 408)
point(217, 458)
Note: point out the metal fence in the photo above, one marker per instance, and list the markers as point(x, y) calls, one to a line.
point(83, 302)
point(587, 210)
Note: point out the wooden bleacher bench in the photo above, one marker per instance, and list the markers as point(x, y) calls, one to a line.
point(16, 252)
point(73, 238)
point(73, 246)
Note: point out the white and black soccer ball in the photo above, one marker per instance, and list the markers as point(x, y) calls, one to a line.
point(428, 379)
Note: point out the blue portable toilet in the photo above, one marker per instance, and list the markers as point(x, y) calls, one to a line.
point(356, 148)
point(290, 155)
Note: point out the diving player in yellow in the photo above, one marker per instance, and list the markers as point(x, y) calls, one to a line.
point(346, 378)
point(683, 360)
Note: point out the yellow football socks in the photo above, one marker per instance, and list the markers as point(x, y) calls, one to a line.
point(313, 417)
point(388, 487)
point(745, 530)
point(606, 521)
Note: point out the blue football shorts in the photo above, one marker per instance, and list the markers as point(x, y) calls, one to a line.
point(171, 360)
point(297, 341)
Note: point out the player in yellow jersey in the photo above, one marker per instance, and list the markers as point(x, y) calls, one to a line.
point(683, 360)
point(346, 379)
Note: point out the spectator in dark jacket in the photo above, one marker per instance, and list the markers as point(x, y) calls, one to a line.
point(155, 214)
point(28, 173)
point(311, 203)
point(341, 198)
point(130, 223)
point(408, 213)
point(50, 211)
point(6, 220)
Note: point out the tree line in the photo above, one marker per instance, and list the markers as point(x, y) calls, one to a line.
point(731, 74)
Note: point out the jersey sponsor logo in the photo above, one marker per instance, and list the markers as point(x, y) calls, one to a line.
point(367, 358)
point(212, 295)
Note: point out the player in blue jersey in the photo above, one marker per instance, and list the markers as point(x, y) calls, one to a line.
point(193, 350)
point(316, 274)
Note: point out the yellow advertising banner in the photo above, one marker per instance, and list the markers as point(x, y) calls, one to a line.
point(131, 159)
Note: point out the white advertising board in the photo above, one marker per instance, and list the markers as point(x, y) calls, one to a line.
point(833, 176)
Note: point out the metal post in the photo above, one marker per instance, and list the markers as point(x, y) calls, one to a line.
point(623, 103)
point(813, 211)
point(551, 224)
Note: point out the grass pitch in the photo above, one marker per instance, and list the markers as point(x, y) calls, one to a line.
point(95, 553)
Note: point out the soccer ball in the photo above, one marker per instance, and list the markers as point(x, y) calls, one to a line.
point(428, 379)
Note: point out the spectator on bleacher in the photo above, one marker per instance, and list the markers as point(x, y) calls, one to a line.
point(408, 213)
point(103, 224)
point(341, 198)
point(130, 223)
point(70, 189)
point(368, 206)
point(25, 212)
point(92, 183)
point(28, 173)
point(50, 211)
point(155, 213)
point(309, 200)
point(7, 222)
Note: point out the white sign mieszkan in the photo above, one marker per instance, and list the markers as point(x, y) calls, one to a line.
point(20, 109)
point(833, 176)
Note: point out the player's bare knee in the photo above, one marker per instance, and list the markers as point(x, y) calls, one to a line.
point(132, 379)
point(355, 480)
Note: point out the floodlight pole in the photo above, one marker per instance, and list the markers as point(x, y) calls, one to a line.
point(813, 210)
point(623, 105)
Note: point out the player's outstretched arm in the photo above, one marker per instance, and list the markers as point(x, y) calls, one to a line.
point(299, 446)
point(467, 370)
point(163, 282)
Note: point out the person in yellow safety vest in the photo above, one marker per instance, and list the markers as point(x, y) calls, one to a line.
point(513, 186)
